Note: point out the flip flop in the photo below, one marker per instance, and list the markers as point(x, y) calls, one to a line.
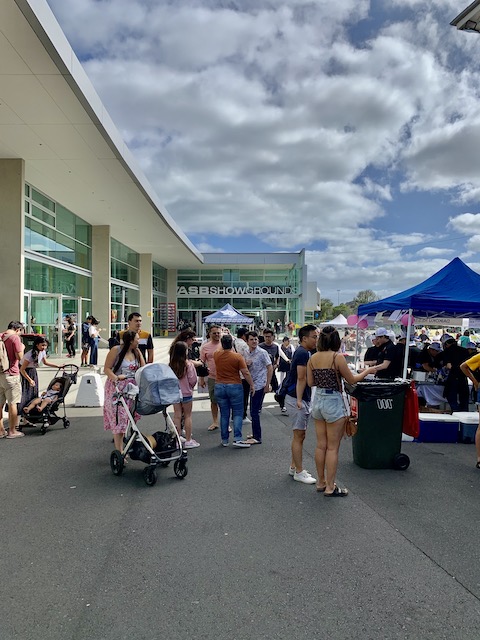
point(337, 493)
point(253, 441)
point(3, 435)
point(212, 427)
point(18, 434)
point(478, 465)
point(320, 489)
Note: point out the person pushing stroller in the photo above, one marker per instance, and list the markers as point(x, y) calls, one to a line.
point(47, 397)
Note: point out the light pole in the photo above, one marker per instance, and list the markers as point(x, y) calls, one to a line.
point(338, 297)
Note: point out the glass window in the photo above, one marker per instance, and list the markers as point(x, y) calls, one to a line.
point(48, 279)
point(43, 215)
point(43, 200)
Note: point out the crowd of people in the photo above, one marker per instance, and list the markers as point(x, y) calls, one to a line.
point(238, 371)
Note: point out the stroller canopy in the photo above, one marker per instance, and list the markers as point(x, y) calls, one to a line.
point(158, 388)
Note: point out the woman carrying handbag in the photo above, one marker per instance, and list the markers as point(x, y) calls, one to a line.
point(325, 371)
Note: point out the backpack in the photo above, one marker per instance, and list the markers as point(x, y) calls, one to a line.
point(4, 359)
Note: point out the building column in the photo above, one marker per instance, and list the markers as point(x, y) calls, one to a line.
point(146, 291)
point(12, 188)
point(101, 279)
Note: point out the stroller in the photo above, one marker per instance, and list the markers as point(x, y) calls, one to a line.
point(65, 376)
point(158, 387)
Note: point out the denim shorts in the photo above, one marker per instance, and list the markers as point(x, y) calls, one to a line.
point(328, 405)
point(186, 399)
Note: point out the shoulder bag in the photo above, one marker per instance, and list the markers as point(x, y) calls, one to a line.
point(350, 424)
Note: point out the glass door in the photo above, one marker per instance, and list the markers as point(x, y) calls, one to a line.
point(46, 314)
point(45, 319)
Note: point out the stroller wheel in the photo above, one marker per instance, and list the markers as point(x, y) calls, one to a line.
point(66, 423)
point(116, 463)
point(180, 468)
point(150, 476)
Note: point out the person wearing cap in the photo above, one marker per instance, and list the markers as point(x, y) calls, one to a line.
point(428, 357)
point(388, 365)
point(471, 347)
point(371, 354)
point(471, 369)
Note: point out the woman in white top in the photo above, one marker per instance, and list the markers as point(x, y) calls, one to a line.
point(94, 334)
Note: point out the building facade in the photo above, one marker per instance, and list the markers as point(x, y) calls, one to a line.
point(83, 232)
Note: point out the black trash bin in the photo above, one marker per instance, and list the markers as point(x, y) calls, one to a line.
point(378, 441)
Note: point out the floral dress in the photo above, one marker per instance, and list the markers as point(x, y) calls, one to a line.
point(115, 418)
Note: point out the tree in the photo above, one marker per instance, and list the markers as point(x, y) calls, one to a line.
point(365, 296)
point(327, 309)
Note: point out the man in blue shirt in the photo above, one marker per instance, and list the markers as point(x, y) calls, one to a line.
point(298, 400)
point(261, 369)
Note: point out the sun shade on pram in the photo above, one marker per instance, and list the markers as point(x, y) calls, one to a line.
point(158, 388)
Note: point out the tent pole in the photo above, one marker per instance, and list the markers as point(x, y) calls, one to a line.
point(407, 346)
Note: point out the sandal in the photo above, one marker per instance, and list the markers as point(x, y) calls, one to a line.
point(253, 441)
point(212, 427)
point(478, 465)
point(337, 493)
point(320, 489)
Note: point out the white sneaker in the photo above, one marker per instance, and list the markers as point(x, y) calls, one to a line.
point(182, 439)
point(191, 444)
point(304, 477)
point(241, 444)
point(284, 411)
point(291, 472)
point(246, 421)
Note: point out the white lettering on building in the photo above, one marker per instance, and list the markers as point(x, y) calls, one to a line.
point(233, 291)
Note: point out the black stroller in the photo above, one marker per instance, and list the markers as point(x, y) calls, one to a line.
point(156, 388)
point(65, 376)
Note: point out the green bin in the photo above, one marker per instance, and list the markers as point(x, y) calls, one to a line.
point(378, 441)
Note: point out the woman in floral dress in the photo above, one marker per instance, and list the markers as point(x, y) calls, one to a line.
point(120, 366)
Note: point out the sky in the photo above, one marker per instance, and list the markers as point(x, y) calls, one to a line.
point(350, 128)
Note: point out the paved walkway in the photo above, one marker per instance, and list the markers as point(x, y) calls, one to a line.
point(237, 550)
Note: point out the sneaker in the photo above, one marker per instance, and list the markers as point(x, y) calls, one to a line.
point(182, 439)
point(241, 444)
point(291, 471)
point(182, 433)
point(284, 411)
point(224, 444)
point(246, 421)
point(304, 477)
point(191, 444)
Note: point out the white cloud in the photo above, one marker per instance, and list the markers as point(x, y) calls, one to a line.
point(268, 119)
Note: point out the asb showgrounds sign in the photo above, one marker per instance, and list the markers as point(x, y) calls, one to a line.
point(216, 290)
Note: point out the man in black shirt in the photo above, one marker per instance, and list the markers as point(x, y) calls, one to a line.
point(456, 385)
point(371, 354)
point(388, 364)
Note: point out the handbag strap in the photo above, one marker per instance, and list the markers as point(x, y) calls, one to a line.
point(340, 387)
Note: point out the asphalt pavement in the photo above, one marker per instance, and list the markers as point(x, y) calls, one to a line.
point(237, 550)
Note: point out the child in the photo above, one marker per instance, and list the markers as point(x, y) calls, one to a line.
point(184, 369)
point(47, 397)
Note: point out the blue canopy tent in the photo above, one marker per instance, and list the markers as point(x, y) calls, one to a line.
point(452, 292)
point(228, 315)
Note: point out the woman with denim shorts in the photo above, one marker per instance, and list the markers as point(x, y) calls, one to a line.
point(325, 370)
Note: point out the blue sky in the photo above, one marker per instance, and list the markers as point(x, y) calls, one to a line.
point(352, 132)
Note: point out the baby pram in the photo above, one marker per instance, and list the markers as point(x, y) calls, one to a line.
point(156, 388)
point(66, 376)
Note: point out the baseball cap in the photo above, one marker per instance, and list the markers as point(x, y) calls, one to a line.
point(436, 346)
point(381, 331)
point(471, 345)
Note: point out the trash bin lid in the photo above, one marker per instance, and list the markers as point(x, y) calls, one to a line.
point(373, 389)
